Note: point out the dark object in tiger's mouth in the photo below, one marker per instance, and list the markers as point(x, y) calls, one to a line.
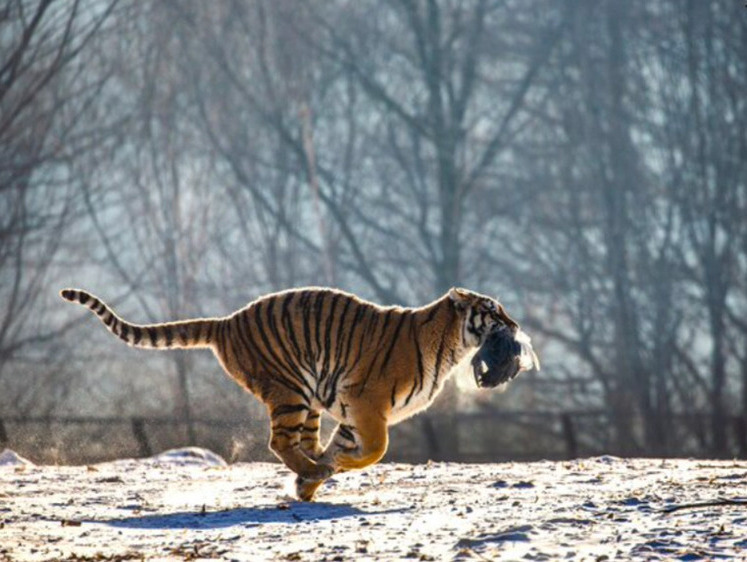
point(504, 355)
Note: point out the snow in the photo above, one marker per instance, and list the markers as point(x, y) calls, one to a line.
point(190, 456)
point(11, 458)
point(188, 504)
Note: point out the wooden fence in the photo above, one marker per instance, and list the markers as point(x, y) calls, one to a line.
point(488, 436)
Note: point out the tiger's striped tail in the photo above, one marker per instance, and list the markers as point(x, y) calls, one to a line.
point(200, 333)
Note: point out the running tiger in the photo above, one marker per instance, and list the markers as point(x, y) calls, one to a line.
point(306, 350)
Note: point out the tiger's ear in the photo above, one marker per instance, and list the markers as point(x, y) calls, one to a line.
point(460, 297)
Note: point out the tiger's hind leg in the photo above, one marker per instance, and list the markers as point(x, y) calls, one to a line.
point(310, 444)
point(288, 421)
point(307, 486)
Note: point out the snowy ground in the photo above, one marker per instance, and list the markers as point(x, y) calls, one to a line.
point(191, 505)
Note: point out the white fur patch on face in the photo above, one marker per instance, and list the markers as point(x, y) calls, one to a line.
point(528, 358)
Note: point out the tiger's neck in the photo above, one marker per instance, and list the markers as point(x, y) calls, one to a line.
point(440, 331)
point(440, 348)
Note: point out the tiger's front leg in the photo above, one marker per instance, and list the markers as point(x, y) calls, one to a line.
point(353, 446)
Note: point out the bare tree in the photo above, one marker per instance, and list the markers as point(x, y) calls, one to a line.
point(45, 96)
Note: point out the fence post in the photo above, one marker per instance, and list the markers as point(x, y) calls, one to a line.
point(569, 434)
point(432, 447)
point(3, 435)
point(740, 431)
point(138, 431)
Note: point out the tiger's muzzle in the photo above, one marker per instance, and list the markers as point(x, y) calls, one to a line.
point(505, 353)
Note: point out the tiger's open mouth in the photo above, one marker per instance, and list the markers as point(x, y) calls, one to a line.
point(502, 357)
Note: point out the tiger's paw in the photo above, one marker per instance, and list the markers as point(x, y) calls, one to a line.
point(306, 488)
point(307, 485)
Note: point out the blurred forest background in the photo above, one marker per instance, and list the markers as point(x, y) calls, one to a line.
point(585, 161)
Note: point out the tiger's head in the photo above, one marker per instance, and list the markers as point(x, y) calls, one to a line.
point(504, 350)
point(481, 315)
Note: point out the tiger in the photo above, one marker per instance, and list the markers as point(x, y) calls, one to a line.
point(308, 350)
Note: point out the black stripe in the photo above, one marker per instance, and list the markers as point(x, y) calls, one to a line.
point(291, 428)
point(137, 334)
point(291, 436)
point(152, 335)
point(375, 319)
point(439, 354)
point(393, 399)
point(319, 304)
point(341, 326)
point(373, 323)
point(382, 336)
point(354, 325)
point(224, 338)
point(124, 331)
point(287, 323)
point(182, 330)
point(339, 367)
point(109, 319)
point(236, 330)
point(331, 396)
point(233, 346)
point(437, 367)
point(212, 334)
point(431, 315)
point(387, 318)
point(345, 432)
point(286, 409)
point(421, 368)
point(412, 392)
point(418, 379)
point(83, 297)
point(328, 336)
point(168, 333)
point(99, 308)
point(306, 312)
point(388, 355)
point(363, 340)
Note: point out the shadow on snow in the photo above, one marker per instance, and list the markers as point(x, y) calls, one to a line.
point(294, 512)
